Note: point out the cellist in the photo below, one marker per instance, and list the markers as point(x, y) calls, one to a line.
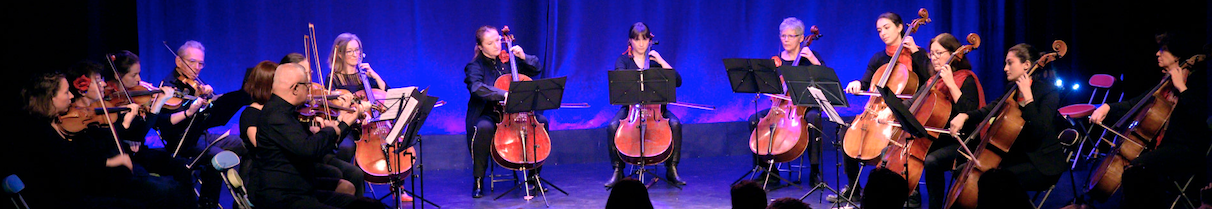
point(638, 38)
point(966, 96)
point(483, 106)
point(891, 28)
point(791, 35)
point(1035, 160)
point(1147, 179)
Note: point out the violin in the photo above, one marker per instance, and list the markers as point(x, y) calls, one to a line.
point(1000, 129)
point(931, 107)
point(79, 118)
point(520, 142)
point(869, 133)
point(1142, 128)
point(787, 136)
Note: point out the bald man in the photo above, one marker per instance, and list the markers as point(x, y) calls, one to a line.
point(288, 151)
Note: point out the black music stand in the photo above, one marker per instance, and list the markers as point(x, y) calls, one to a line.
point(531, 96)
point(818, 86)
point(409, 107)
point(756, 76)
point(639, 87)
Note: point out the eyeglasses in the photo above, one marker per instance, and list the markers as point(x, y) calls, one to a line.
point(782, 36)
point(195, 62)
point(296, 86)
point(937, 54)
point(354, 51)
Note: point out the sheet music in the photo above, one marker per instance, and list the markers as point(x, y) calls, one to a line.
point(825, 105)
point(399, 101)
point(402, 104)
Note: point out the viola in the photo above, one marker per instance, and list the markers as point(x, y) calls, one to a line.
point(931, 107)
point(1000, 129)
point(870, 133)
point(786, 137)
point(1135, 133)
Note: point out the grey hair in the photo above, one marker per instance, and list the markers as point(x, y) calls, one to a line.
point(792, 24)
point(190, 44)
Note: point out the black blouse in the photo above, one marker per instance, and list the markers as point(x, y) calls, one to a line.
point(921, 67)
point(1037, 140)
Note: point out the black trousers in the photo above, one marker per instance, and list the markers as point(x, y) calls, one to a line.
point(675, 127)
point(1148, 180)
point(813, 116)
point(211, 182)
point(479, 141)
point(942, 157)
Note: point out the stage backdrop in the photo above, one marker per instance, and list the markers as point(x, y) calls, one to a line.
point(427, 43)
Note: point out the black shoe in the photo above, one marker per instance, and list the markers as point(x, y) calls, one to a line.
point(853, 194)
point(614, 178)
point(814, 175)
point(477, 189)
point(915, 200)
point(671, 173)
point(534, 184)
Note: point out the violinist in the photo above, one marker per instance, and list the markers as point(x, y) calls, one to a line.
point(483, 106)
point(287, 151)
point(1035, 160)
point(791, 35)
point(891, 29)
point(966, 96)
point(638, 38)
point(1147, 179)
point(346, 63)
point(125, 72)
point(332, 166)
point(174, 123)
point(47, 97)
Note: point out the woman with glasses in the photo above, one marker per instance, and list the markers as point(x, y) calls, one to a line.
point(791, 35)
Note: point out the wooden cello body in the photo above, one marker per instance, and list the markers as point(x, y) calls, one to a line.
point(521, 142)
point(932, 107)
point(999, 129)
point(1142, 128)
point(871, 131)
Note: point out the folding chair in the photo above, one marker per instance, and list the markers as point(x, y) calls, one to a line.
point(1072, 113)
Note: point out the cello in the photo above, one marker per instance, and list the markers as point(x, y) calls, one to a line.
point(787, 137)
point(521, 141)
point(868, 134)
point(644, 137)
point(1142, 127)
point(1000, 129)
point(932, 108)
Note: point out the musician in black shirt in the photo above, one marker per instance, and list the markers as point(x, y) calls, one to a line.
point(288, 151)
point(638, 38)
point(483, 107)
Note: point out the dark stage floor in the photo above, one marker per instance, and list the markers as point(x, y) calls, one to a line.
point(709, 179)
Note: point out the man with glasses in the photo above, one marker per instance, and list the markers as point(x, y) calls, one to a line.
point(288, 151)
point(182, 128)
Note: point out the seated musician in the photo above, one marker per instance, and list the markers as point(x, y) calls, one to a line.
point(339, 164)
point(126, 71)
point(347, 53)
point(966, 96)
point(288, 152)
point(791, 34)
point(258, 83)
point(1035, 160)
point(72, 164)
point(891, 29)
point(483, 107)
point(639, 37)
point(1148, 180)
